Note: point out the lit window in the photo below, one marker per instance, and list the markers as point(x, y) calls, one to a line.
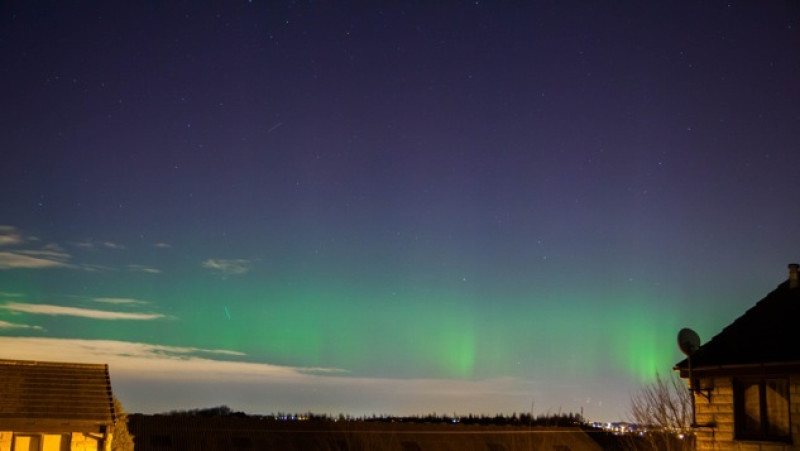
point(762, 409)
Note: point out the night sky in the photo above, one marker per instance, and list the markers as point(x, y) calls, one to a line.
point(391, 207)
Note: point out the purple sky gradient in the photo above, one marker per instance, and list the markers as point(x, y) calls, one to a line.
point(530, 196)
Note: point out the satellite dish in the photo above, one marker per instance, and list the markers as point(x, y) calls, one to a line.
point(688, 341)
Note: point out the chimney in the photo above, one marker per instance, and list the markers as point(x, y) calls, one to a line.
point(794, 278)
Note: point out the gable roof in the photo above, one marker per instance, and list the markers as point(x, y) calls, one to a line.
point(34, 392)
point(766, 334)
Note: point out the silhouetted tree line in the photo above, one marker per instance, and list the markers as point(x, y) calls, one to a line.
point(522, 419)
point(219, 411)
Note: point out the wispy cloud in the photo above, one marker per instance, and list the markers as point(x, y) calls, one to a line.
point(142, 268)
point(92, 244)
point(79, 350)
point(53, 247)
point(33, 259)
point(91, 267)
point(7, 325)
point(145, 377)
point(51, 254)
point(9, 235)
point(58, 310)
point(120, 301)
point(228, 266)
point(162, 245)
point(112, 245)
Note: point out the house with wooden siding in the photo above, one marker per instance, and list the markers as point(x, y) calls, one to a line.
point(48, 406)
point(746, 379)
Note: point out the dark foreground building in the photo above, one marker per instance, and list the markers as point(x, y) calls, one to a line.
point(162, 432)
point(53, 406)
point(746, 379)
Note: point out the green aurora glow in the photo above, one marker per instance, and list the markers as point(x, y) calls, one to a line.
point(522, 199)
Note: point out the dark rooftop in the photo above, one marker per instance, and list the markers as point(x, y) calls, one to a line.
point(767, 333)
point(73, 393)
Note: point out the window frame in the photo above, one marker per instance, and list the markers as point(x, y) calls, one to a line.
point(741, 432)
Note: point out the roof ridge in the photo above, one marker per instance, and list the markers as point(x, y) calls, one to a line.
point(48, 363)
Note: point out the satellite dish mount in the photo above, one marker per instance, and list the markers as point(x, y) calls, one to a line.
point(689, 343)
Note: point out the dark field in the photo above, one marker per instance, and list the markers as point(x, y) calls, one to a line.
point(159, 432)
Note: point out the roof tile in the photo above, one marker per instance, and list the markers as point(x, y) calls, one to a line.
point(51, 390)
